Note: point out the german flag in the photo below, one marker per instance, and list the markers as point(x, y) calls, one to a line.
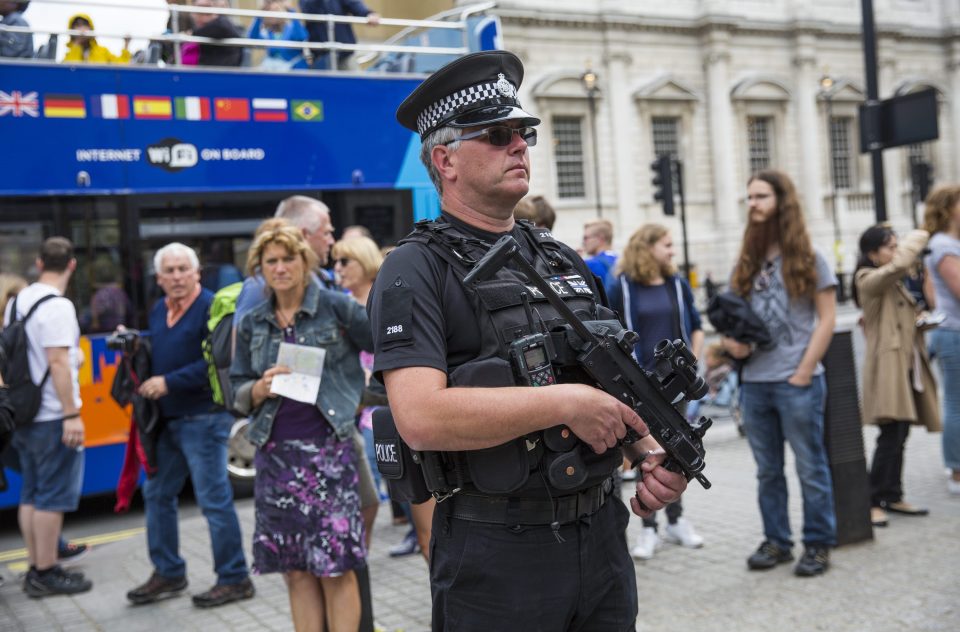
point(64, 106)
point(152, 108)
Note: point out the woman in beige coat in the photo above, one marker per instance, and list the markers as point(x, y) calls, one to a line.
point(898, 386)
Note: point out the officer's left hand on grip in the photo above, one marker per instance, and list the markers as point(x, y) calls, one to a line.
point(657, 486)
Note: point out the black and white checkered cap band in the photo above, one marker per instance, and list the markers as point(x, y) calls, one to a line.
point(459, 102)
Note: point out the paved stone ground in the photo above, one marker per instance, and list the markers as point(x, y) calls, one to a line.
point(907, 579)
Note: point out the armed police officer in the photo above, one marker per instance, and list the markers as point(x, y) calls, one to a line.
point(516, 546)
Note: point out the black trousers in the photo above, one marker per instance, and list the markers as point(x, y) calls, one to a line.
point(886, 471)
point(486, 577)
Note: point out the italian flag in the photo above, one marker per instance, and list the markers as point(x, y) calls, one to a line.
point(193, 108)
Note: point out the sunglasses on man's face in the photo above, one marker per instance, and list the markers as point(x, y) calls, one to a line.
point(501, 135)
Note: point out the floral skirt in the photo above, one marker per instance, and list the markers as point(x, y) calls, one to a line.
point(307, 504)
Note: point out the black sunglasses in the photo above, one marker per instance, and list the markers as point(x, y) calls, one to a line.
point(501, 135)
point(343, 261)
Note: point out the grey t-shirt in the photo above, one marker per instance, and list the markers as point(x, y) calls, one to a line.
point(942, 245)
point(790, 321)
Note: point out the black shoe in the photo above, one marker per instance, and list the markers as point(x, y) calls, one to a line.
point(155, 589)
point(225, 593)
point(815, 561)
point(768, 556)
point(55, 582)
point(71, 552)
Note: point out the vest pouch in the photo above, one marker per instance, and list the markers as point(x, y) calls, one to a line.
point(504, 468)
point(396, 461)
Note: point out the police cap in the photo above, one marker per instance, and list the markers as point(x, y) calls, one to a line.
point(473, 90)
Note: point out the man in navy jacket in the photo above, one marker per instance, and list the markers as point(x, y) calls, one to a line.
point(342, 33)
point(193, 440)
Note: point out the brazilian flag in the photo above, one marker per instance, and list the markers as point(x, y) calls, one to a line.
point(310, 111)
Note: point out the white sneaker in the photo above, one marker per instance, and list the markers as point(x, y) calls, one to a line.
point(682, 533)
point(647, 543)
point(953, 487)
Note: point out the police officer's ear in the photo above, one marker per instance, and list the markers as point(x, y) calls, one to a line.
point(443, 162)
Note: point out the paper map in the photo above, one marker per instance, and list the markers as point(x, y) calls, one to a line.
point(306, 365)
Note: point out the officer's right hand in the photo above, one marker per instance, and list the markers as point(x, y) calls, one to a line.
point(598, 419)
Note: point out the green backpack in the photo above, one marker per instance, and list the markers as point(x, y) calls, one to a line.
point(219, 344)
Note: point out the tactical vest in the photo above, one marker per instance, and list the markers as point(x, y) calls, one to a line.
point(515, 468)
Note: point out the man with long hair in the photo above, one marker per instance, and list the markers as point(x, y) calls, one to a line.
point(791, 287)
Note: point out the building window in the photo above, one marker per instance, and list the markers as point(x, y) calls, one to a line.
point(759, 142)
point(840, 153)
point(666, 136)
point(568, 153)
point(919, 152)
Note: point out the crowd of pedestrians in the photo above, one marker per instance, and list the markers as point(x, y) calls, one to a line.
point(317, 491)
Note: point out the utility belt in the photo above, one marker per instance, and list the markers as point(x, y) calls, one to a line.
point(529, 511)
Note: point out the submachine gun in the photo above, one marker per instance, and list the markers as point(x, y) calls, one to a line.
point(604, 352)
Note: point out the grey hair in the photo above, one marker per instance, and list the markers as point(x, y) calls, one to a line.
point(175, 248)
point(442, 136)
point(302, 211)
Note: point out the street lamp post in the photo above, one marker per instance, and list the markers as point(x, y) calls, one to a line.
point(589, 81)
point(826, 89)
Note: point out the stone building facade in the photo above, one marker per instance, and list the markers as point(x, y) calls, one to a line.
point(728, 87)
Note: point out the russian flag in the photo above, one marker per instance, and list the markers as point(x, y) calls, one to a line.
point(271, 110)
point(110, 106)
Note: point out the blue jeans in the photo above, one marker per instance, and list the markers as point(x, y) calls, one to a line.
point(945, 345)
point(194, 445)
point(778, 411)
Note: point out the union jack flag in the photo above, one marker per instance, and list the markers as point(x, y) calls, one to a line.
point(18, 104)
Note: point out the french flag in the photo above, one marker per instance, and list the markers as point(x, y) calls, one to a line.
point(110, 106)
point(270, 110)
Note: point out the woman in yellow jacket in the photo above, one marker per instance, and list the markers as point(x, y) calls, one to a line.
point(898, 385)
point(86, 49)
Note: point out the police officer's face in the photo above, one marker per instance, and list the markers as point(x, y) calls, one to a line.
point(282, 270)
point(495, 172)
point(177, 277)
point(761, 201)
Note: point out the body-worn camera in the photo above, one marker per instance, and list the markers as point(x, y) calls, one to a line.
point(124, 341)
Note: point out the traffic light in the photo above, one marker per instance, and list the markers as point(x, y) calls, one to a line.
point(921, 176)
point(662, 169)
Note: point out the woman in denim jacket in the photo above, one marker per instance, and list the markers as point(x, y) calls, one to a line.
point(308, 523)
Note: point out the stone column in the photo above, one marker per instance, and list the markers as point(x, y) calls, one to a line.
point(952, 168)
point(809, 126)
point(892, 158)
point(717, 68)
point(623, 125)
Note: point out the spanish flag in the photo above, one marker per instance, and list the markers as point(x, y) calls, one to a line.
point(152, 108)
point(64, 106)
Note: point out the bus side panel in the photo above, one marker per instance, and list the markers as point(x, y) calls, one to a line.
point(100, 474)
point(106, 425)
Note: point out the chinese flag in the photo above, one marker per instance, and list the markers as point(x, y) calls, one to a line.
point(232, 109)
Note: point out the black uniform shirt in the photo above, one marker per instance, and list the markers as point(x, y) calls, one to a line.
point(419, 312)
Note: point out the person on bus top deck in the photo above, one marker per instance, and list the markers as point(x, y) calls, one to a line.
point(86, 48)
point(216, 26)
point(14, 44)
point(536, 558)
point(193, 440)
point(342, 33)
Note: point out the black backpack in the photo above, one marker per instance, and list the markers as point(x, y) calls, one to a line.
point(24, 395)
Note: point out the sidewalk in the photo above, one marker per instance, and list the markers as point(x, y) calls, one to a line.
point(908, 578)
